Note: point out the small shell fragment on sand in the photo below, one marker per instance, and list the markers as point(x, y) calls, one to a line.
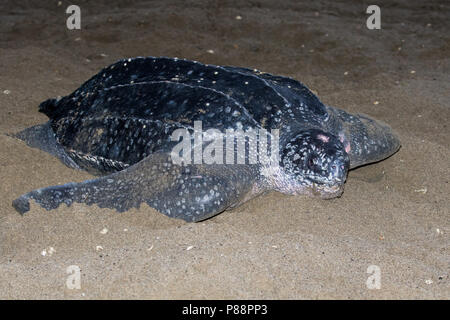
point(428, 281)
point(238, 18)
point(423, 190)
point(104, 231)
point(98, 248)
point(48, 251)
point(6, 91)
point(376, 102)
point(345, 73)
point(413, 71)
point(150, 249)
point(189, 248)
point(210, 51)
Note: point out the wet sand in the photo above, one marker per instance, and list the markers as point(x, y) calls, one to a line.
point(393, 214)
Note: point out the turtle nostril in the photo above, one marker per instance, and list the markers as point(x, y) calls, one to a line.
point(338, 170)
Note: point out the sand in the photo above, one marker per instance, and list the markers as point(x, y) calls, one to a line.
point(393, 214)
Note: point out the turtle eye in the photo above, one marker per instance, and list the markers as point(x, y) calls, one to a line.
point(311, 162)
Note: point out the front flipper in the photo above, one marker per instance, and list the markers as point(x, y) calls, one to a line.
point(191, 192)
point(366, 140)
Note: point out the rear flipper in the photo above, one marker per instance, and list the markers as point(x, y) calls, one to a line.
point(191, 192)
point(42, 137)
point(366, 140)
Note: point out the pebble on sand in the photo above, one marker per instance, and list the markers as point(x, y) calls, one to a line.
point(6, 91)
point(104, 231)
point(48, 251)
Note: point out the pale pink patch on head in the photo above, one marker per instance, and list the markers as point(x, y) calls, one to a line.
point(346, 143)
point(323, 138)
point(347, 147)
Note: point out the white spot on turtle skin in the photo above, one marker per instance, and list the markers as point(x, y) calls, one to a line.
point(323, 138)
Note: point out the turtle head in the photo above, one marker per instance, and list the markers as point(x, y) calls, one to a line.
point(313, 162)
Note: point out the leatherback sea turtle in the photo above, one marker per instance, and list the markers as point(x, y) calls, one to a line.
point(119, 125)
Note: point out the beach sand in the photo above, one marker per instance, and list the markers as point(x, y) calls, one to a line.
point(393, 214)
